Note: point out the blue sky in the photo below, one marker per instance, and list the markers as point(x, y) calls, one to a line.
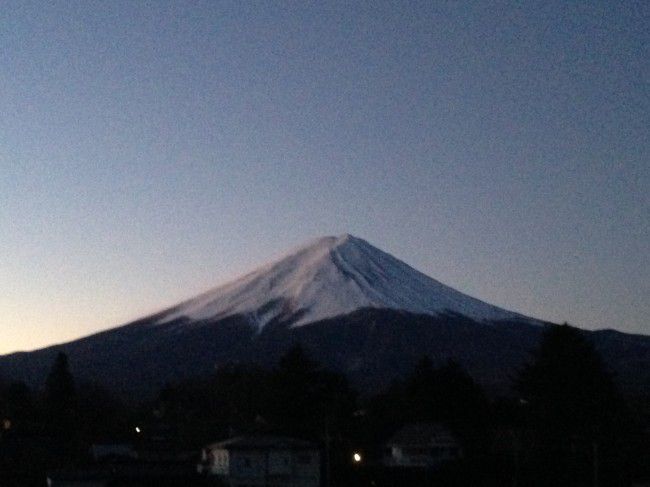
point(152, 150)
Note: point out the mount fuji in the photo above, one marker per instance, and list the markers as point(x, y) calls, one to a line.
point(355, 308)
point(328, 277)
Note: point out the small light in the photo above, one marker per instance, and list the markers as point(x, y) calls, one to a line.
point(356, 457)
point(137, 429)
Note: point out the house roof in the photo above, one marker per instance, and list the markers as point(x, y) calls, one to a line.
point(421, 434)
point(263, 442)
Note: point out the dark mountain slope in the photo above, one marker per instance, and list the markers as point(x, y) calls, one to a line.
point(372, 346)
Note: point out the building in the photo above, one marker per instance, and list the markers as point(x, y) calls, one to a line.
point(423, 445)
point(112, 451)
point(253, 461)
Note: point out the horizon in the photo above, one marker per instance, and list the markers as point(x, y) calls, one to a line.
point(151, 152)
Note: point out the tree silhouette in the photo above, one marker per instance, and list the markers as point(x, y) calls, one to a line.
point(60, 397)
point(567, 388)
point(448, 394)
point(575, 413)
point(309, 399)
point(445, 394)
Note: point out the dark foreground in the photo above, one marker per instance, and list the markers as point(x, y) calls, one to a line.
point(564, 423)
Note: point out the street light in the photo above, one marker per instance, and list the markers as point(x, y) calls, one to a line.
point(356, 457)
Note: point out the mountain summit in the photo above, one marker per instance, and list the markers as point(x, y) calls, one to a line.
point(328, 277)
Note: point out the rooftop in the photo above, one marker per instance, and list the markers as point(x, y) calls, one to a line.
point(263, 442)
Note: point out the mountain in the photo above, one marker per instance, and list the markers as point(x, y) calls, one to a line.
point(332, 276)
point(354, 308)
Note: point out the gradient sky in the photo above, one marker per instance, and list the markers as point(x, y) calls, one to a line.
point(152, 150)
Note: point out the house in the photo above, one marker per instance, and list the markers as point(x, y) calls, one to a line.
point(423, 445)
point(112, 451)
point(248, 461)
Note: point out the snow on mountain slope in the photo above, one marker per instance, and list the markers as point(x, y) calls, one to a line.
point(328, 277)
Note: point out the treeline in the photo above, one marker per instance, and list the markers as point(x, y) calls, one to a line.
point(566, 424)
point(53, 428)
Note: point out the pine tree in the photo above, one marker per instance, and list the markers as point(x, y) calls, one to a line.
point(60, 396)
point(576, 417)
point(567, 388)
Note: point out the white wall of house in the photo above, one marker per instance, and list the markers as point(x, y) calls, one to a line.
point(215, 461)
point(286, 468)
point(438, 450)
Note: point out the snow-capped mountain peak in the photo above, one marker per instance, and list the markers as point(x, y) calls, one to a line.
point(328, 277)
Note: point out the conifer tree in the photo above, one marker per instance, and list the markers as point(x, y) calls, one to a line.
point(60, 396)
point(576, 417)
